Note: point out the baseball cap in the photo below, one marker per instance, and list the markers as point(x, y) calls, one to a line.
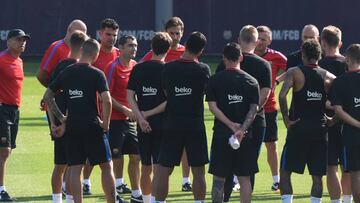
point(17, 33)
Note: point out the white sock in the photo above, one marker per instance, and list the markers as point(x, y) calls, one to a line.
point(286, 198)
point(119, 181)
point(199, 201)
point(2, 188)
point(235, 179)
point(276, 179)
point(186, 180)
point(336, 201)
point(135, 193)
point(69, 199)
point(57, 198)
point(315, 200)
point(160, 201)
point(146, 198)
point(87, 182)
point(153, 199)
point(63, 186)
point(348, 198)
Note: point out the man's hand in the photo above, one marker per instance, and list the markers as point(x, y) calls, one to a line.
point(57, 131)
point(144, 125)
point(289, 123)
point(104, 126)
point(235, 127)
point(240, 134)
point(129, 113)
point(43, 106)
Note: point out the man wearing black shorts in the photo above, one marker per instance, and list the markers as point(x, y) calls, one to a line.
point(184, 82)
point(260, 69)
point(334, 62)
point(306, 124)
point(86, 134)
point(346, 98)
point(233, 97)
point(11, 82)
point(76, 41)
point(144, 95)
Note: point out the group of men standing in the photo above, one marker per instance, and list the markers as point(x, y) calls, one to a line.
point(102, 104)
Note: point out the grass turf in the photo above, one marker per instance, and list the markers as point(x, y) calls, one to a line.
point(30, 166)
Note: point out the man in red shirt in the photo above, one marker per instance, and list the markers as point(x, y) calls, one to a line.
point(108, 34)
point(57, 51)
point(278, 62)
point(11, 81)
point(122, 135)
point(175, 28)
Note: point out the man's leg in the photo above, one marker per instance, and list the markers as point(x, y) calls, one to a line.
point(272, 158)
point(228, 188)
point(75, 182)
point(199, 184)
point(217, 190)
point(186, 184)
point(4, 155)
point(134, 175)
point(108, 181)
point(245, 189)
point(145, 179)
point(57, 180)
point(316, 189)
point(333, 182)
point(286, 190)
point(346, 187)
point(355, 185)
point(162, 182)
point(87, 183)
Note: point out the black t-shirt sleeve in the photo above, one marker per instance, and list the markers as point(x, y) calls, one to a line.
point(220, 67)
point(56, 84)
point(336, 92)
point(133, 81)
point(265, 80)
point(102, 85)
point(210, 92)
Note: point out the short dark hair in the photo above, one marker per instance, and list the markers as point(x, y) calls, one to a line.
point(311, 49)
point(160, 43)
point(353, 52)
point(331, 35)
point(77, 39)
point(90, 47)
point(174, 22)
point(232, 51)
point(109, 23)
point(195, 43)
point(123, 39)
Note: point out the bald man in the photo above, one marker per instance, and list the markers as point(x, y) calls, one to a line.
point(308, 32)
point(58, 51)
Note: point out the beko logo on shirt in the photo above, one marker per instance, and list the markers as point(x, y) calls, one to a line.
point(75, 93)
point(357, 102)
point(149, 91)
point(235, 98)
point(313, 96)
point(181, 91)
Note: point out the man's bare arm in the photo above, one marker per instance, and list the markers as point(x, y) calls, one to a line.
point(49, 98)
point(222, 117)
point(250, 116)
point(347, 118)
point(288, 84)
point(106, 109)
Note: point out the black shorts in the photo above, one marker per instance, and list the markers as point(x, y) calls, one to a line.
point(300, 152)
point(149, 147)
point(351, 158)
point(258, 133)
point(123, 138)
point(225, 161)
point(271, 132)
point(335, 146)
point(9, 123)
point(60, 150)
point(174, 142)
point(86, 143)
